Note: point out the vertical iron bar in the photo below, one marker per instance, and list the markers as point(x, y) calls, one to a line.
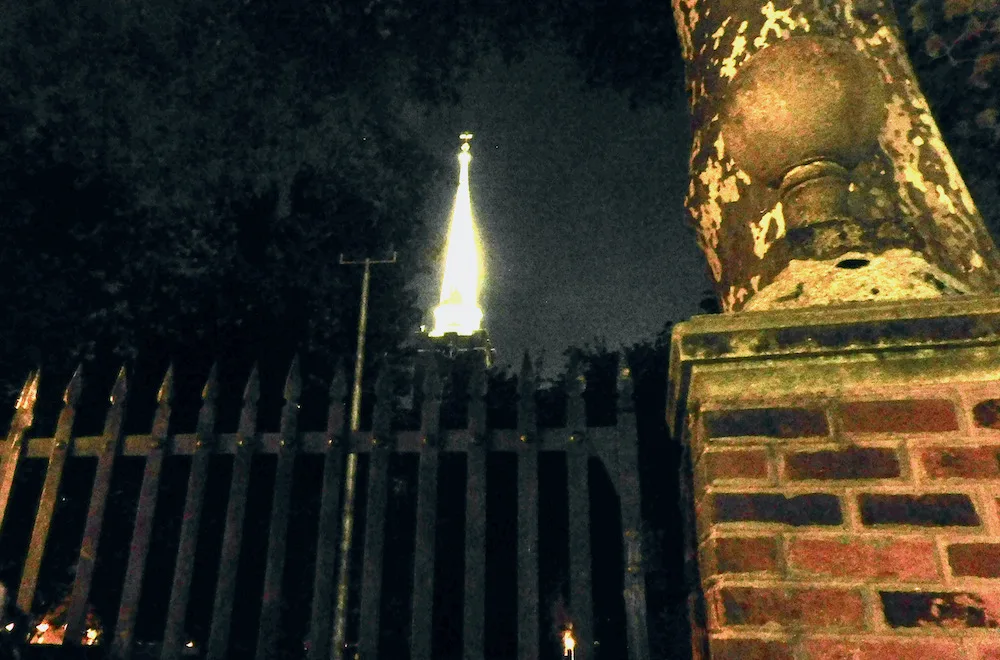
point(193, 505)
point(475, 518)
point(421, 615)
point(475, 553)
point(581, 594)
point(222, 608)
point(423, 561)
point(527, 553)
point(77, 611)
point(50, 493)
point(527, 517)
point(23, 418)
point(375, 516)
point(145, 513)
point(270, 614)
point(628, 490)
point(326, 533)
point(371, 585)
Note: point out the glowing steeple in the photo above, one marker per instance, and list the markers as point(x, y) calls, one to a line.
point(459, 311)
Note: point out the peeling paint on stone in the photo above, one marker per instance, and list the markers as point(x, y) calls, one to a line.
point(718, 34)
point(778, 22)
point(910, 180)
point(720, 147)
point(945, 199)
point(892, 275)
point(719, 180)
point(911, 163)
point(733, 298)
point(685, 26)
point(760, 230)
point(955, 181)
point(729, 64)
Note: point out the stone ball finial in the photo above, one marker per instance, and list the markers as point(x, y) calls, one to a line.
point(802, 100)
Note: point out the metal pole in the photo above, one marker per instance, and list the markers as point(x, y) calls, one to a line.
point(351, 474)
point(359, 356)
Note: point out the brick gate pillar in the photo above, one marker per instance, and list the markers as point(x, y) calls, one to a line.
point(844, 473)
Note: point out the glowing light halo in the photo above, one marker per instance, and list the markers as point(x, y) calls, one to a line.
point(569, 643)
point(459, 311)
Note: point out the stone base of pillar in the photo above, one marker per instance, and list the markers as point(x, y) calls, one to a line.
point(845, 479)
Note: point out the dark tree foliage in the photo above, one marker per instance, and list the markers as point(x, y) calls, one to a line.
point(627, 45)
point(955, 47)
point(179, 179)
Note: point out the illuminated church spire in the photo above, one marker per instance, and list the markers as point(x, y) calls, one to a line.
point(459, 311)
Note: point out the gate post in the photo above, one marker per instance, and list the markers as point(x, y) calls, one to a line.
point(845, 478)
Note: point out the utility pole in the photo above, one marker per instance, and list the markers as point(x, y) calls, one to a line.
point(351, 474)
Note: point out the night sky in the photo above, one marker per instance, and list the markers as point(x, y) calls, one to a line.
point(579, 203)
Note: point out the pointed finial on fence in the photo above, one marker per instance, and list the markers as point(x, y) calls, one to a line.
point(477, 381)
point(382, 415)
point(477, 402)
point(338, 387)
point(71, 396)
point(576, 409)
point(432, 386)
point(120, 389)
point(206, 416)
point(248, 415)
point(527, 375)
point(293, 382)
point(251, 393)
point(162, 417)
point(211, 390)
point(526, 386)
point(116, 413)
point(430, 413)
point(290, 412)
point(166, 392)
point(24, 410)
point(335, 416)
point(29, 392)
point(625, 389)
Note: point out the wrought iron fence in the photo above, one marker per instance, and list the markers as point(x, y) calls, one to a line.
point(613, 447)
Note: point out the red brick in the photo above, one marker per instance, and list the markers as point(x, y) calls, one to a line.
point(961, 462)
point(932, 416)
point(744, 554)
point(736, 464)
point(809, 509)
point(951, 610)
point(790, 607)
point(749, 649)
point(766, 422)
point(908, 560)
point(881, 649)
point(849, 463)
point(975, 559)
point(930, 510)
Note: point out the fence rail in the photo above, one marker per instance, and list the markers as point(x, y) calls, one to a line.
point(615, 447)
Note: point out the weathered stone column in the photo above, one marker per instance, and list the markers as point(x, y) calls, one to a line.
point(818, 174)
